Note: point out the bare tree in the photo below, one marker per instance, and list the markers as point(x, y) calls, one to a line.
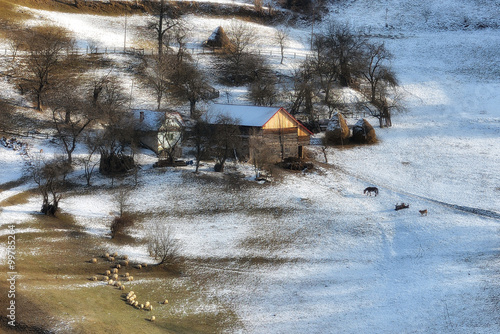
point(225, 140)
point(281, 37)
point(376, 71)
point(49, 177)
point(88, 162)
point(71, 114)
point(44, 46)
point(168, 19)
point(117, 128)
point(6, 116)
point(162, 245)
point(339, 50)
point(260, 152)
point(187, 82)
point(238, 64)
point(156, 71)
point(200, 137)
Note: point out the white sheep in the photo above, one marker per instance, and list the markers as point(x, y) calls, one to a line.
point(165, 301)
point(147, 304)
point(115, 254)
point(115, 276)
point(94, 260)
point(130, 278)
point(124, 263)
point(151, 307)
point(122, 287)
point(118, 266)
point(141, 306)
point(94, 278)
point(125, 257)
point(115, 271)
point(111, 259)
point(110, 282)
point(105, 278)
point(153, 318)
point(138, 266)
point(108, 273)
point(144, 265)
point(118, 284)
point(106, 255)
point(127, 275)
point(136, 303)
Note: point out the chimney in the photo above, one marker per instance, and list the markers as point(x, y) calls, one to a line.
point(141, 116)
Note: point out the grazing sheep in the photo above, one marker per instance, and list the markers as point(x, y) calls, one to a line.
point(136, 303)
point(122, 287)
point(165, 301)
point(124, 263)
point(115, 254)
point(94, 278)
point(130, 278)
point(118, 266)
point(118, 284)
point(106, 255)
point(115, 276)
point(153, 318)
point(94, 260)
point(108, 273)
point(150, 307)
point(105, 278)
point(110, 282)
point(147, 304)
point(144, 265)
point(141, 306)
point(131, 293)
point(115, 271)
point(127, 274)
point(138, 266)
point(125, 257)
point(111, 258)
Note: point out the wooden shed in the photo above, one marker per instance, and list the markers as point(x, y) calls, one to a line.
point(280, 131)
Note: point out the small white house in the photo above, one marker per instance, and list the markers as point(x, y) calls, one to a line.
point(159, 130)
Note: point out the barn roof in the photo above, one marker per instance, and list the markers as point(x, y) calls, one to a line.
point(247, 115)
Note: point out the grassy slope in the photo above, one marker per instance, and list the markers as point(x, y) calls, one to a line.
point(54, 290)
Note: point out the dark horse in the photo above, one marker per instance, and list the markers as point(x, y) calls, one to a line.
point(371, 190)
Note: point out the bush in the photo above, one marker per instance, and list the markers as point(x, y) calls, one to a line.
point(120, 225)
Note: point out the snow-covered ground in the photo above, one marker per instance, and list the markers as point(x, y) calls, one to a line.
point(337, 261)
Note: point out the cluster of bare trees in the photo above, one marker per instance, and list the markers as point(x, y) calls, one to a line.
point(344, 57)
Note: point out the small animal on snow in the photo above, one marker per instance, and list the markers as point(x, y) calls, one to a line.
point(402, 206)
point(371, 190)
point(423, 212)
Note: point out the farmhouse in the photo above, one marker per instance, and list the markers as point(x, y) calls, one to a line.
point(280, 132)
point(160, 131)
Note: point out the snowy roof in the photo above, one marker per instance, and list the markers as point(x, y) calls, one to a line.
point(152, 120)
point(245, 115)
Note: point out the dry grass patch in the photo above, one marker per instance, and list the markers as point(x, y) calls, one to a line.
point(18, 199)
point(55, 289)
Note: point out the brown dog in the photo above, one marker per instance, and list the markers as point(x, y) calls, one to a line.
point(423, 212)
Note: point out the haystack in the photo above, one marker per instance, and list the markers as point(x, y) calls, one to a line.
point(337, 131)
point(363, 132)
point(218, 39)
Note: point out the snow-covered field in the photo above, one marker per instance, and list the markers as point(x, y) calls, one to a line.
point(337, 261)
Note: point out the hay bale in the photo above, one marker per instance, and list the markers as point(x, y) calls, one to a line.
point(337, 131)
point(218, 39)
point(363, 132)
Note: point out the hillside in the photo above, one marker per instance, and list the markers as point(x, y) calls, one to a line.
point(308, 252)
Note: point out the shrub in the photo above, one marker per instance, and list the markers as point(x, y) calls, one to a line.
point(120, 225)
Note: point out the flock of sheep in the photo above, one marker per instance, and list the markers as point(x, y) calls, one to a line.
point(113, 278)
